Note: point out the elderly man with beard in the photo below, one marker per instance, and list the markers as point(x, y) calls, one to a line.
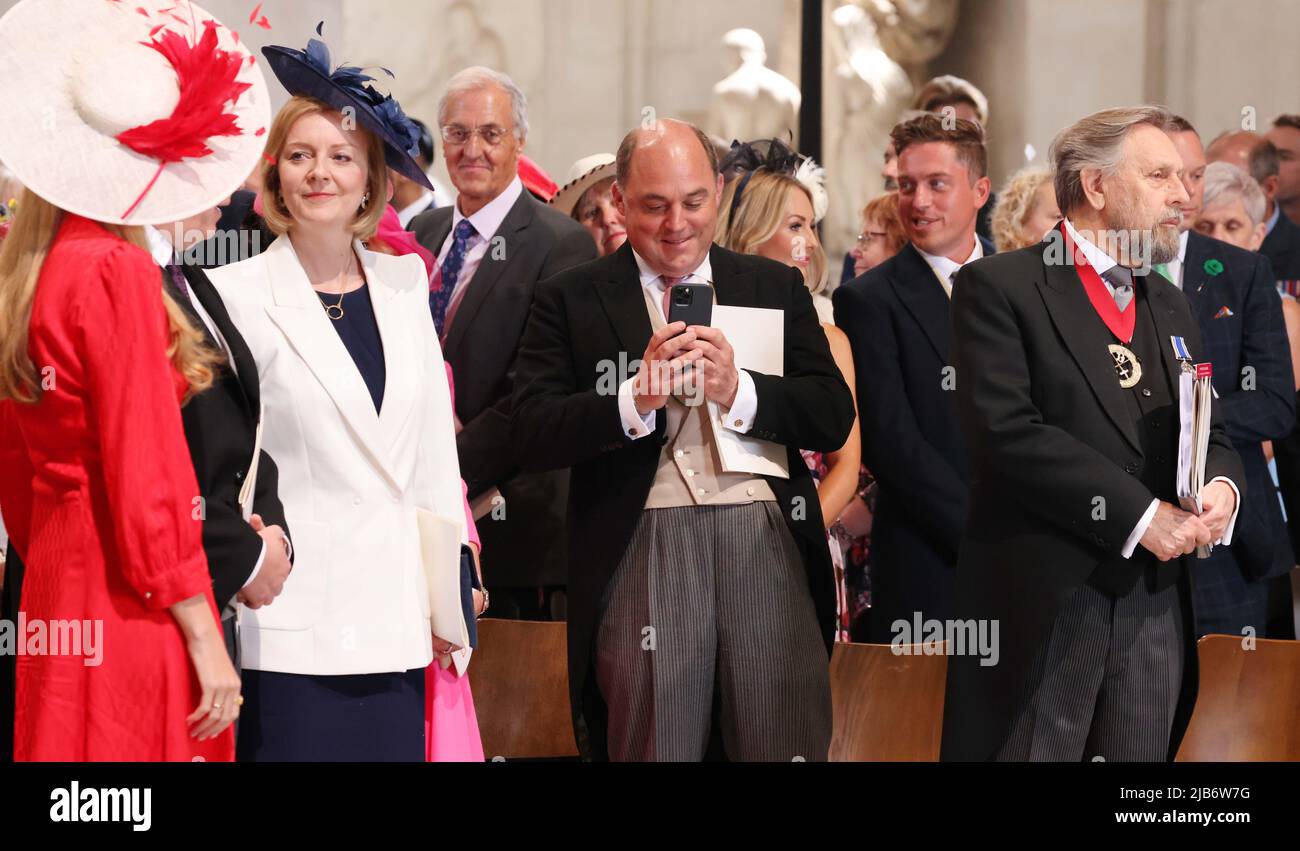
point(1067, 390)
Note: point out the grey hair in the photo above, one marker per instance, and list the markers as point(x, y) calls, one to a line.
point(478, 77)
point(1224, 181)
point(1096, 141)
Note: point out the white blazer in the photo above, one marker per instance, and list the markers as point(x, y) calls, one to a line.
point(350, 479)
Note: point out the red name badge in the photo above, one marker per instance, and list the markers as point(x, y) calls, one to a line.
point(1204, 370)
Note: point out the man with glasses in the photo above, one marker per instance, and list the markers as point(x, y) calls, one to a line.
point(493, 246)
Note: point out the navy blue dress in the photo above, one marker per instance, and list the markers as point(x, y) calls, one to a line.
point(351, 718)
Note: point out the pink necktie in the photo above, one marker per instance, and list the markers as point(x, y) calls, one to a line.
point(669, 283)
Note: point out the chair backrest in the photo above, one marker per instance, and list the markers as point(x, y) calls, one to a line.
point(1248, 704)
point(888, 706)
point(520, 678)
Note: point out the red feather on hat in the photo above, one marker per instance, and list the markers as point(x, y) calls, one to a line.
point(206, 75)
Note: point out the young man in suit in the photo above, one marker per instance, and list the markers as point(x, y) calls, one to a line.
point(687, 580)
point(1235, 301)
point(1067, 387)
point(249, 559)
point(1285, 136)
point(898, 317)
point(493, 246)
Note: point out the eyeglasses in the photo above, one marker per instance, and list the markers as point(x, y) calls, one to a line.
point(454, 134)
point(866, 237)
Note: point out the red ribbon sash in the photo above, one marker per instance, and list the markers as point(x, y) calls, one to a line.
point(1120, 324)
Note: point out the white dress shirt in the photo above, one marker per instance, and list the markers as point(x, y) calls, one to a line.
point(1102, 262)
point(944, 268)
point(487, 221)
point(164, 254)
point(740, 418)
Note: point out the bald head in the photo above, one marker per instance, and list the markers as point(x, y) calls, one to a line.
point(668, 137)
point(1234, 148)
point(668, 189)
point(1254, 154)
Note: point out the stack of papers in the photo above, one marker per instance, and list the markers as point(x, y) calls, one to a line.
point(1195, 393)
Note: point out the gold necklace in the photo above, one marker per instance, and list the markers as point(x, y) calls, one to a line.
point(335, 311)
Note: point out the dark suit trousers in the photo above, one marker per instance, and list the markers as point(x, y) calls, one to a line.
point(705, 598)
point(1105, 683)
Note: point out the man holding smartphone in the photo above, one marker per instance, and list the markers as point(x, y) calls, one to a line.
point(695, 592)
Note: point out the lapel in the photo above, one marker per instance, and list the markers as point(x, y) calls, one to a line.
point(401, 359)
point(732, 285)
point(440, 232)
point(1160, 296)
point(296, 310)
point(923, 296)
point(491, 269)
point(1281, 242)
point(245, 366)
point(620, 294)
point(1086, 337)
point(1203, 290)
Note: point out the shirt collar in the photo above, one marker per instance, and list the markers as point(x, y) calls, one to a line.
point(487, 221)
point(408, 212)
point(703, 273)
point(944, 267)
point(163, 252)
point(1272, 220)
point(1099, 260)
point(1182, 245)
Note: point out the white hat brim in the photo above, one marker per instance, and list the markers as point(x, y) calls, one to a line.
point(54, 152)
point(569, 195)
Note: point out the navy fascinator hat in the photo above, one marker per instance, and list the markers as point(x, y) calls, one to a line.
point(308, 73)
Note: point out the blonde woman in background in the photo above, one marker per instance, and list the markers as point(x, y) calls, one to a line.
point(1026, 210)
point(774, 217)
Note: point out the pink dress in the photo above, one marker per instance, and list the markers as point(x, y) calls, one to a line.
point(450, 724)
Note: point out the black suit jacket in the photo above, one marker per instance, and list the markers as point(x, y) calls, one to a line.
point(1240, 317)
point(897, 317)
point(566, 415)
point(524, 547)
point(220, 427)
point(1056, 467)
point(1282, 248)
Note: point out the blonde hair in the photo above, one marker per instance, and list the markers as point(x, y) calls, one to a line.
point(277, 215)
point(1014, 204)
point(760, 214)
point(23, 256)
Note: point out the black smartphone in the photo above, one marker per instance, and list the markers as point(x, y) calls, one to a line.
point(692, 304)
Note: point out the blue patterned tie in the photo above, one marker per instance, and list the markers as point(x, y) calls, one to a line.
point(439, 299)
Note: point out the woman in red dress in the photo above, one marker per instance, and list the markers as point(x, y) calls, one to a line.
point(121, 655)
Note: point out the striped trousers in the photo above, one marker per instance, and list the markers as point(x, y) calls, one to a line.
point(705, 598)
point(1105, 683)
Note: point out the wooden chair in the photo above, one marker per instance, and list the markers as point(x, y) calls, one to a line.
point(520, 678)
point(1248, 705)
point(887, 707)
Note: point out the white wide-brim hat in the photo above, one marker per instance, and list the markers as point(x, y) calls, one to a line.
point(77, 73)
point(583, 175)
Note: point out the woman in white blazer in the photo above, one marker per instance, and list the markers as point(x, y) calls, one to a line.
point(358, 417)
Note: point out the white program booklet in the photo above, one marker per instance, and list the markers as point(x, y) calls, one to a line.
point(757, 336)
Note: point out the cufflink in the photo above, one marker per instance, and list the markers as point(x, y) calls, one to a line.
point(740, 423)
point(633, 432)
